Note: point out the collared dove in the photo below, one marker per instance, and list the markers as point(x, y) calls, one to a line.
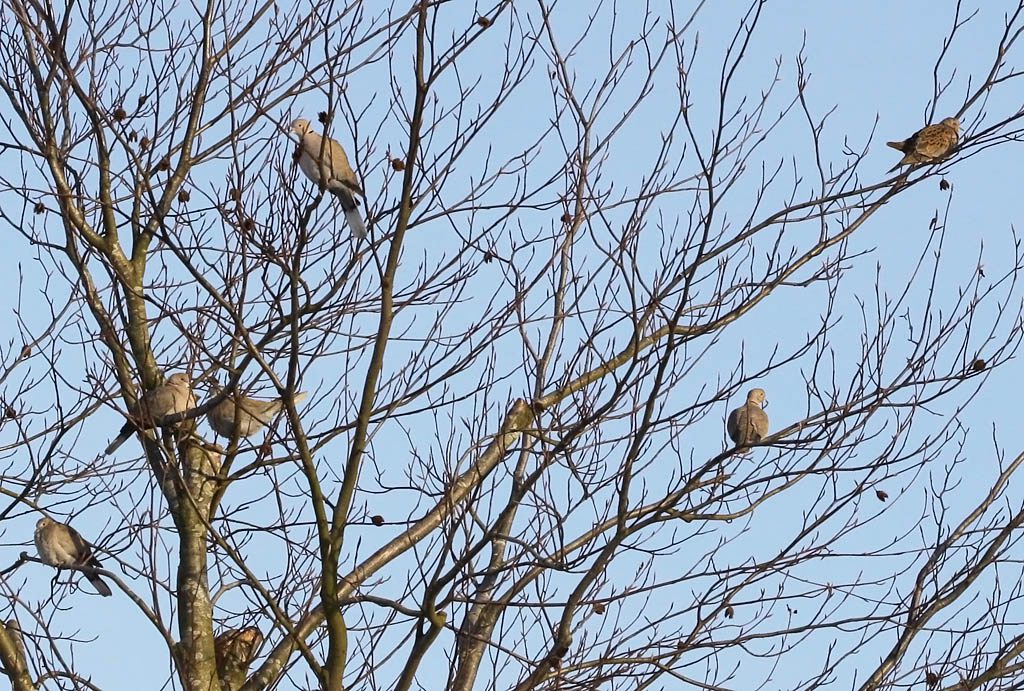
point(748, 424)
point(928, 144)
point(60, 545)
point(242, 416)
point(173, 397)
point(235, 650)
point(324, 162)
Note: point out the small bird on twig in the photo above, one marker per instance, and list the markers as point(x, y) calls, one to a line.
point(60, 545)
point(241, 416)
point(325, 162)
point(748, 424)
point(929, 144)
point(170, 399)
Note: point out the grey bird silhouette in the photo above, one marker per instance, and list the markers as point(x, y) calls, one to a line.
point(60, 545)
point(325, 162)
point(748, 424)
point(242, 416)
point(173, 397)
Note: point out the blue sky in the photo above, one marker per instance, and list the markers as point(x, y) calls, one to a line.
point(871, 68)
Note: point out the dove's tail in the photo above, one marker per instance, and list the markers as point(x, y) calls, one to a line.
point(277, 405)
point(350, 205)
point(124, 435)
point(98, 583)
point(910, 159)
point(355, 223)
point(899, 146)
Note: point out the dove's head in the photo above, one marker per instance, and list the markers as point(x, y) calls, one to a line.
point(179, 380)
point(251, 638)
point(44, 522)
point(756, 396)
point(953, 124)
point(300, 126)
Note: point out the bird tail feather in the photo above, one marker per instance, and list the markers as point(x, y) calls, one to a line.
point(278, 404)
point(908, 160)
point(897, 145)
point(355, 223)
point(99, 584)
point(124, 435)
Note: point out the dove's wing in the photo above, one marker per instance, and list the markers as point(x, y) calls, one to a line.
point(84, 557)
point(735, 423)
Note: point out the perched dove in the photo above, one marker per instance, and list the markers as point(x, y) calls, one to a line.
point(242, 416)
point(748, 424)
point(235, 650)
point(173, 397)
point(928, 144)
point(324, 162)
point(60, 545)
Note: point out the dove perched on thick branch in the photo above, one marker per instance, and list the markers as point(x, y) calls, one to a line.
point(235, 650)
point(172, 398)
point(60, 545)
point(325, 163)
point(929, 144)
point(241, 416)
point(748, 424)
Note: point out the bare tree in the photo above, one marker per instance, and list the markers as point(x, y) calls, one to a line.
point(511, 470)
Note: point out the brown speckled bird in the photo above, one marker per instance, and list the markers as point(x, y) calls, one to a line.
point(929, 144)
point(235, 651)
point(748, 424)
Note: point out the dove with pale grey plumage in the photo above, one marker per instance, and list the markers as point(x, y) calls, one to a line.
point(60, 545)
point(242, 416)
point(748, 424)
point(172, 398)
point(324, 161)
